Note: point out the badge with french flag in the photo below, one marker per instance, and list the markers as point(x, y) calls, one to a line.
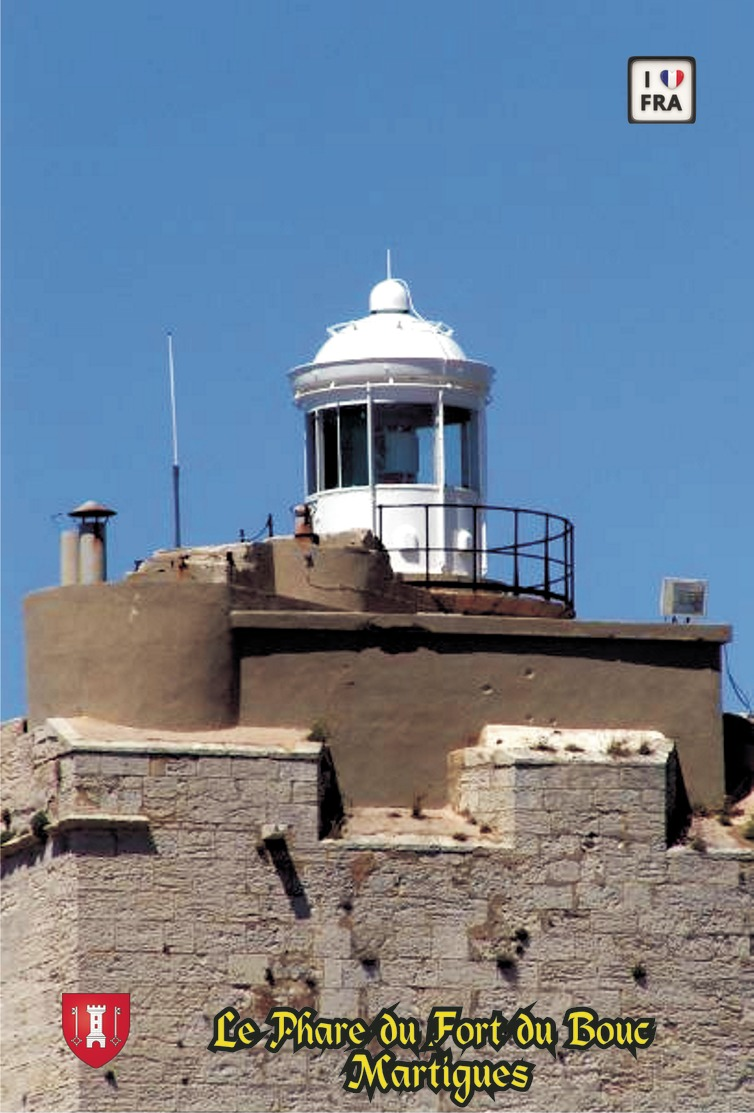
point(662, 90)
point(671, 78)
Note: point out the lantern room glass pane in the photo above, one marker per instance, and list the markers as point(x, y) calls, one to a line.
point(311, 453)
point(461, 450)
point(329, 470)
point(354, 462)
point(404, 443)
point(339, 456)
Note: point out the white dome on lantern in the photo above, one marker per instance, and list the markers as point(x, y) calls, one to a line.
point(390, 296)
point(393, 330)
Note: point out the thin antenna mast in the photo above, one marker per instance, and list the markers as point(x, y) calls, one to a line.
point(389, 270)
point(176, 466)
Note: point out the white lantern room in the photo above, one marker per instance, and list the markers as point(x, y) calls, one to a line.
point(395, 437)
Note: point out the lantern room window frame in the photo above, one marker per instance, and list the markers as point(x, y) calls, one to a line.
point(338, 454)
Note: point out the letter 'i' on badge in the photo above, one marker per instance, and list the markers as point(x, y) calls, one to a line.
point(662, 90)
point(96, 1025)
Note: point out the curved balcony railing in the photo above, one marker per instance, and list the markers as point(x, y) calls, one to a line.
point(512, 549)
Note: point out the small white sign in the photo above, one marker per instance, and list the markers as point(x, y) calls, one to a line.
point(662, 90)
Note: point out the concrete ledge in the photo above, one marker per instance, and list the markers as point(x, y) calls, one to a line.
point(477, 625)
point(86, 735)
point(93, 821)
point(513, 744)
point(97, 820)
point(427, 844)
point(712, 853)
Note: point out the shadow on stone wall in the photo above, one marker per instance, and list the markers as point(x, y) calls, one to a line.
point(103, 842)
point(276, 849)
point(22, 859)
point(331, 810)
point(738, 747)
point(678, 806)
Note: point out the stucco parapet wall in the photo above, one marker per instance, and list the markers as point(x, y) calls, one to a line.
point(85, 734)
point(477, 625)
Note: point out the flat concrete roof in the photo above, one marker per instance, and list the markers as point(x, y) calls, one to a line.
point(496, 625)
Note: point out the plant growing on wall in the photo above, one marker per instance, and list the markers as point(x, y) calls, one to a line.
point(320, 732)
point(40, 821)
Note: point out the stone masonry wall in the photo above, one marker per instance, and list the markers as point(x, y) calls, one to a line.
point(40, 960)
point(190, 874)
point(40, 950)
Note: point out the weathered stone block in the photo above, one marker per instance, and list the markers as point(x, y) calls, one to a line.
point(122, 765)
point(246, 967)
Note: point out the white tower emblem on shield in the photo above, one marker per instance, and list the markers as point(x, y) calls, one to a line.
point(96, 1035)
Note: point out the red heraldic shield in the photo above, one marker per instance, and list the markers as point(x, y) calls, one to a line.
point(96, 1025)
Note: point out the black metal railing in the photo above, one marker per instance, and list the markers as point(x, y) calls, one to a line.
point(524, 552)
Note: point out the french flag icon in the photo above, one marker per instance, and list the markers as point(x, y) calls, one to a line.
point(672, 78)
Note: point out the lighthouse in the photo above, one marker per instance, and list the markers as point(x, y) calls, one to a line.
point(395, 437)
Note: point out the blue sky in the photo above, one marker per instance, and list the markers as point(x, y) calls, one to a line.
point(235, 171)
